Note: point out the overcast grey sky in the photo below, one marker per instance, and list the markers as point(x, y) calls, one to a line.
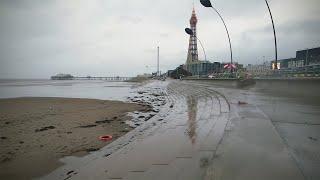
point(40, 38)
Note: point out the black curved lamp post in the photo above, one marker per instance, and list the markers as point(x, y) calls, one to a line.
point(275, 38)
point(207, 3)
point(190, 32)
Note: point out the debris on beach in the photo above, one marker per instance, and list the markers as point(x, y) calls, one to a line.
point(242, 103)
point(68, 173)
point(153, 99)
point(5, 159)
point(155, 110)
point(103, 121)
point(92, 149)
point(45, 128)
point(154, 94)
point(125, 130)
point(88, 126)
point(106, 155)
point(312, 138)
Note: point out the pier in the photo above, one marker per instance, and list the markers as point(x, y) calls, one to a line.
point(70, 77)
point(116, 78)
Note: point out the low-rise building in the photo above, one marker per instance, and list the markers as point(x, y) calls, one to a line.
point(259, 70)
point(307, 57)
point(201, 68)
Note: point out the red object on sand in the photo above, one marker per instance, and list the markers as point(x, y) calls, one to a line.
point(105, 138)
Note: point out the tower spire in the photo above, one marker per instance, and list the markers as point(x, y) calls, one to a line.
point(193, 48)
point(193, 7)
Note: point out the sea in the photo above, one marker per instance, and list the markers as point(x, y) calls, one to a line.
point(91, 89)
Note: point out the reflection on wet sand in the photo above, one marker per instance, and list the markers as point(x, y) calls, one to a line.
point(192, 103)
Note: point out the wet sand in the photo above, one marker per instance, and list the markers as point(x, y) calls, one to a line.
point(36, 132)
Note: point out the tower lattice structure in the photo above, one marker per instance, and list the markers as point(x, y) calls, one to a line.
point(193, 48)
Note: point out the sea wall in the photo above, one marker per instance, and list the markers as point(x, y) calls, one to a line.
point(303, 88)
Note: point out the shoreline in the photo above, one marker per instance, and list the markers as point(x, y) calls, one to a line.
point(35, 132)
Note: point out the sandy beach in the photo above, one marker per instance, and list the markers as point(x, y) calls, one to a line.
point(36, 132)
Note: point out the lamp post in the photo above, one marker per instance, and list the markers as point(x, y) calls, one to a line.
point(190, 32)
point(158, 61)
point(275, 37)
point(207, 3)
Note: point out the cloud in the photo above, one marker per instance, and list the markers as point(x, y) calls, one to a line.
point(40, 38)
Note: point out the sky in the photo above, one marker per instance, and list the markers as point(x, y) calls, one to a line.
point(40, 38)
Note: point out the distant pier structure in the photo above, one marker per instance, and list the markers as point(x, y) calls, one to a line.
point(116, 78)
point(70, 77)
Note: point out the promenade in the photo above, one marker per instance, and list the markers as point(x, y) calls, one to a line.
point(201, 133)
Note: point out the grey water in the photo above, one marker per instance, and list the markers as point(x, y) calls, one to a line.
point(91, 89)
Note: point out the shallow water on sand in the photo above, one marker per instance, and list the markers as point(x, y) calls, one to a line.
point(92, 89)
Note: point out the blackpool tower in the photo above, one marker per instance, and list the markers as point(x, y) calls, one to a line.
point(193, 48)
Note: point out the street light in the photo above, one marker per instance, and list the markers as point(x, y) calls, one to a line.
point(190, 32)
point(158, 61)
point(207, 3)
point(275, 37)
